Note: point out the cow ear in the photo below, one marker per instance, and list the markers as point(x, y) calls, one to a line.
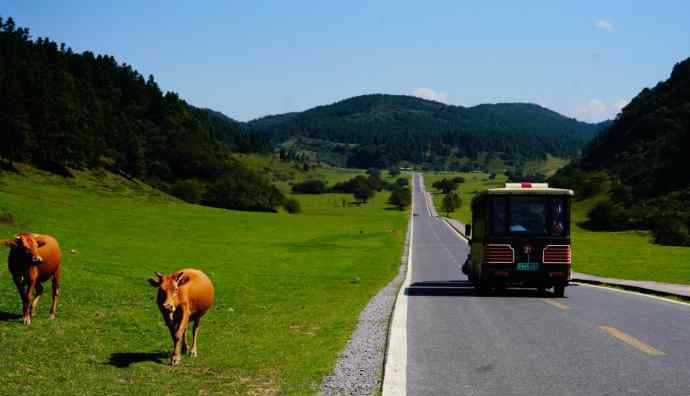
point(181, 279)
point(9, 243)
point(155, 282)
point(40, 243)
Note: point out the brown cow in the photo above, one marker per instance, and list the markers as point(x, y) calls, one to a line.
point(183, 296)
point(33, 259)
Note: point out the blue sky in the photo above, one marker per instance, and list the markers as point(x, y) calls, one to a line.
point(582, 58)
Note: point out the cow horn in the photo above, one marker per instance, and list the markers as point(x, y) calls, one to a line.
point(158, 274)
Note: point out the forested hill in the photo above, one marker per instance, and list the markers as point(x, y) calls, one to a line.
point(62, 110)
point(648, 146)
point(642, 159)
point(59, 108)
point(390, 128)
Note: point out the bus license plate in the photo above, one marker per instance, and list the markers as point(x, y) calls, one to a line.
point(528, 267)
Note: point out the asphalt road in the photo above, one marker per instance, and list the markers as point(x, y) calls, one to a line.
point(595, 341)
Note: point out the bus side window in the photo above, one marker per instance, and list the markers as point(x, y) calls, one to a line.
point(558, 217)
point(499, 224)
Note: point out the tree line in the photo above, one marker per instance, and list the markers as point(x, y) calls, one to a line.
point(362, 187)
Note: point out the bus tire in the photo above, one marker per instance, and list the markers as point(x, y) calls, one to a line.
point(559, 290)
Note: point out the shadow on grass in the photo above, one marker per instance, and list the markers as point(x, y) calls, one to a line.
point(462, 288)
point(125, 359)
point(8, 316)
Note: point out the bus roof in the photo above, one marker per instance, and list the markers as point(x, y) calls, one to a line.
point(528, 189)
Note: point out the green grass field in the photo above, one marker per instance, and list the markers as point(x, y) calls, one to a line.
point(625, 255)
point(286, 295)
point(474, 182)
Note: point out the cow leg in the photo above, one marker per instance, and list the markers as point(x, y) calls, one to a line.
point(19, 283)
point(177, 345)
point(195, 337)
point(185, 346)
point(27, 301)
point(56, 293)
point(34, 305)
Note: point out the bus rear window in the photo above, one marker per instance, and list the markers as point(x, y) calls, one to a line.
point(528, 215)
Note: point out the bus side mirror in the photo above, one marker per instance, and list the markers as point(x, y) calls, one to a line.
point(468, 230)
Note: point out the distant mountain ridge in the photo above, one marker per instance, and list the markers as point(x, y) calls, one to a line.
point(397, 127)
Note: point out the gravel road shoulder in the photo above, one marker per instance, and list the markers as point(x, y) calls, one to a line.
point(359, 368)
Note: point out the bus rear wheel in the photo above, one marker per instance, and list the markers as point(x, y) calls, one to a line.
point(559, 290)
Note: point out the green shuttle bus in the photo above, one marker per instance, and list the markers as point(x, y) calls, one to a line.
point(520, 237)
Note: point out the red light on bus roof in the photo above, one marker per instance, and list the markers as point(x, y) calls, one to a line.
point(526, 185)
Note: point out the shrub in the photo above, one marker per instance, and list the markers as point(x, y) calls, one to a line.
point(363, 192)
point(394, 171)
point(607, 216)
point(445, 185)
point(375, 183)
point(309, 187)
point(451, 201)
point(400, 198)
point(189, 190)
point(375, 172)
point(292, 206)
point(242, 189)
point(671, 231)
point(402, 182)
point(349, 187)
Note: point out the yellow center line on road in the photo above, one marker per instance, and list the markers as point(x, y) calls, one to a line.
point(632, 341)
point(556, 304)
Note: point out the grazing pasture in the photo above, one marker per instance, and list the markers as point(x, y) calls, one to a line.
point(288, 288)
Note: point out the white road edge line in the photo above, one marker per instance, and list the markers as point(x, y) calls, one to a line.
point(395, 370)
point(456, 232)
point(664, 299)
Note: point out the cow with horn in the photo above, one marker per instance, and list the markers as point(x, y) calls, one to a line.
point(183, 296)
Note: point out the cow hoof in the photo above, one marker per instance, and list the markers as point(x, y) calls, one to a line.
point(175, 360)
point(192, 353)
point(51, 317)
point(27, 320)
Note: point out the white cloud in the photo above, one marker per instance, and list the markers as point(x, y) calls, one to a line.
point(605, 25)
point(620, 103)
point(430, 94)
point(596, 110)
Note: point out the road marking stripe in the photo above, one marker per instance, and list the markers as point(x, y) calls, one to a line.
point(456, 232)
point(614, 289)
point(632, 341)
point(395, 369)
point(556, 304)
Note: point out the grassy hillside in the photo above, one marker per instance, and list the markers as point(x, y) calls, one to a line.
point(626, 254)
point(289, 288)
